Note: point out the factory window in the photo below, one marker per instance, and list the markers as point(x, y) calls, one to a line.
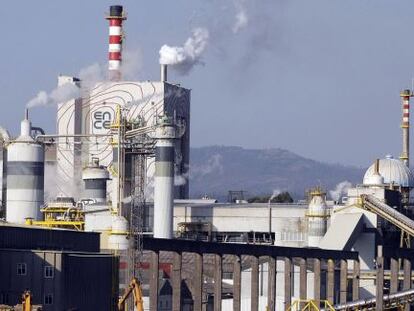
point(49, 272)
point(21, 269)
point(48, 299)
point(4, 298)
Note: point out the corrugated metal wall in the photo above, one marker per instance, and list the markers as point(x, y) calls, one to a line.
point(90, 282)
point(48, 239)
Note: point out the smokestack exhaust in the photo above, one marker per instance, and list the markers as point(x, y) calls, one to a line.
point(116, 17)
point(405, 97)
point(164, 73)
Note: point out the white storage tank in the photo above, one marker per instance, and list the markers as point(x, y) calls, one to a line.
point(25, 177)
point(118, 240)
point(95, 177)
point(317, 217)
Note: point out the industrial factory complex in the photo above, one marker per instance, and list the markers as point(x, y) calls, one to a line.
point(116, 231)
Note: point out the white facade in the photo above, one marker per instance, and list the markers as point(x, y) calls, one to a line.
point(94, 114)
point(288, 220)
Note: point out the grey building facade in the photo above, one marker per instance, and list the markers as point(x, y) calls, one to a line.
point(75, 277)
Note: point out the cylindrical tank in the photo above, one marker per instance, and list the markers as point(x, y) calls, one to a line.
point(95, 177)
point(164, 180)
point(317, 217)
point(25, 177)
point(118, 240)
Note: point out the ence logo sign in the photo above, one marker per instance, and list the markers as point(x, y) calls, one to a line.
point(102, 120)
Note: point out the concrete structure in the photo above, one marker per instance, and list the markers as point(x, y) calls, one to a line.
point(207, 268)
point(164, 179)
point(63, 269)
point(245, 222)
point(25, 176)
point(69, 160)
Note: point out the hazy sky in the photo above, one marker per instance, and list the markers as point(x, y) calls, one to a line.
point(320, 78)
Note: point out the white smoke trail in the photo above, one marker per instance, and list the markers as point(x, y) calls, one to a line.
point(132, 63)
point(241, 17)
point(180, 180)
point(340, 190)
point(184, 58)
point(89, 76)
point(92, 74)
point(212, 165)
point(60, 94)
point(275, 193)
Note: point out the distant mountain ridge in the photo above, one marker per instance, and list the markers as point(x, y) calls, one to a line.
point(216, 169)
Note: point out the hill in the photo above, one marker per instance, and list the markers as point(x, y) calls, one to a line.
point(216, 169)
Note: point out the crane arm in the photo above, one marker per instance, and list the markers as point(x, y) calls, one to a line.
point(134, 288)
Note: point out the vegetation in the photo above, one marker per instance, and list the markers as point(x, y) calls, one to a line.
point(283, 197)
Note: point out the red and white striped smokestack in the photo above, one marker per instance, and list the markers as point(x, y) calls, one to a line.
point(405, 97)
point(116, 17)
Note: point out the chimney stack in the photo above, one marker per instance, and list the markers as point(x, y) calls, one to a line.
point(115, 18)
point(164, 73)
point(405, 97)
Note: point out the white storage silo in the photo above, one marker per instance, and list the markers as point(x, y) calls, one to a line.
point(25, 177)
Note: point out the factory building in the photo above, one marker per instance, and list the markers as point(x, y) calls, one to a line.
point(118, 148)
point(95, 112)
point(63, 269)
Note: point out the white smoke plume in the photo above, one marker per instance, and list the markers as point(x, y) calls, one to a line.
point(132, 63)
point(275, 193)
point(341, 189)
point(60, 94)
point(213, 165)
point(241, 18)
point(89, 76)
point(92, 74)
point(184, 58)
point(180, 180)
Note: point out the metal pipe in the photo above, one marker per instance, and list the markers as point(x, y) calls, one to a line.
point(270, 220)
point(164, 73)
point(73, 135)
point(372, 301)
point(405, 125)
point(38, 129)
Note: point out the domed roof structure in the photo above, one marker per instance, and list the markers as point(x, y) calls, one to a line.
point(393, 171)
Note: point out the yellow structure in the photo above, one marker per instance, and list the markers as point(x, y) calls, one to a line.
point(60, 214)
point(311, 305)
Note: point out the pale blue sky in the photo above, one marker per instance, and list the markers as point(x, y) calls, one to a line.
point(320, 78)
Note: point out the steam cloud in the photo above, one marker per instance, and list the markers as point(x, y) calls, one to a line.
point(241, 18)
point(213, 165)
point(60, 94)
point(185, 57)
point(340, 190)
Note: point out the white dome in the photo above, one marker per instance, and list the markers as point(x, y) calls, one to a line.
point(393, 171)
